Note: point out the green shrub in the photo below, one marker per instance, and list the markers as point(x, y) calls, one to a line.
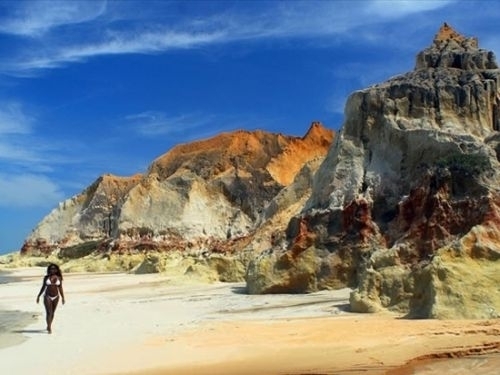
point(471, 164)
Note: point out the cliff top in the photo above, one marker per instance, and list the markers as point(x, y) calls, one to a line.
point(447, 38)
point(281, 155)
point(451, 49)
point(446, 33)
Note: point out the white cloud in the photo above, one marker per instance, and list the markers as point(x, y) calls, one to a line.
point(15, 152)
point(13, 120)
point(335, 19)
point(303, 19)
point(147, 42)
point(153, 123)
point(28, 190)
point(20, 144)
point(16, 127)
point(193, 126)
point(114, 44)
point(34, 18)
point(401, 8)
point(336, 103)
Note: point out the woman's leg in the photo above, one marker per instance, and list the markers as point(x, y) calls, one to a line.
point(50, 309)
point(54, 306)
point(49, 313)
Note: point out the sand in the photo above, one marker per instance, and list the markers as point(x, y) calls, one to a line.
point(156, 324)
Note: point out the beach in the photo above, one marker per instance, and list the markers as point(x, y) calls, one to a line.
point(119, 323)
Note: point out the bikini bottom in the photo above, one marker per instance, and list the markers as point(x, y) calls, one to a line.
point(52, 298)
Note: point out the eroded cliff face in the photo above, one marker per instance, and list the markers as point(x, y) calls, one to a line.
point(211, 196)
point(404, 207)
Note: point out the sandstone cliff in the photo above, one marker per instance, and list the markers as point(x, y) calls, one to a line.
point(211, 196)
point(405, 207)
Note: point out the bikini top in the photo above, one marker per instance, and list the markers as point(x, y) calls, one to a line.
point(48, 282)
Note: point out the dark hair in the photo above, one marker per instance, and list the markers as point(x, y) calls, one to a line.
point(58, 270)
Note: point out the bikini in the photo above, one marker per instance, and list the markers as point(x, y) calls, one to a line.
point(48, 283)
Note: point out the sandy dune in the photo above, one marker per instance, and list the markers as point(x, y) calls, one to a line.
point(154, 324)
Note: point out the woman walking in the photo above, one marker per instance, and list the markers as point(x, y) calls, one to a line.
point(52, 286)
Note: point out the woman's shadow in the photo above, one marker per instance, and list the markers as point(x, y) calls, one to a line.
point(29, 331)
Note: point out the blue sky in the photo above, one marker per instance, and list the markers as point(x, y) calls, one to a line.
point(95, 87)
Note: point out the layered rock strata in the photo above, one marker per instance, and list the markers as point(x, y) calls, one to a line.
point(211, 196)
point(405, 207)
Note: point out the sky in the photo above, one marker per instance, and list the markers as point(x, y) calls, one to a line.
point(95, 87)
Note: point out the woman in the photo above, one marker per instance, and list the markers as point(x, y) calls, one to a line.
point(52, 286)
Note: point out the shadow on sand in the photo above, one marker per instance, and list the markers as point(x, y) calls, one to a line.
point(340, 304)
point(29, 331)
point(239, 290)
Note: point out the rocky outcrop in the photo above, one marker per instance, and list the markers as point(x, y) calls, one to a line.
point(86, 217)
point(406, 200)
point(211, 196)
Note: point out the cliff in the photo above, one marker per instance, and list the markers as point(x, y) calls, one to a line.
point(405, 206)
point(211, 196)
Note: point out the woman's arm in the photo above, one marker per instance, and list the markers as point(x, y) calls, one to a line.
point(41, 289)
point(61, 292)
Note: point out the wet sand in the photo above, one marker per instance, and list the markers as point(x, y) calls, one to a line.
point(156, 324)
point(13, 324)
